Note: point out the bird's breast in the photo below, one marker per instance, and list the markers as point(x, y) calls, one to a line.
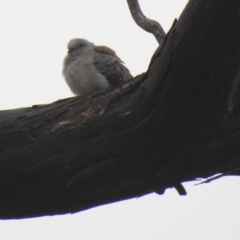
point(82, 77)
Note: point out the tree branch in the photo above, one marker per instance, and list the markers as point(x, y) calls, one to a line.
point(145, 23)
point(177, 122)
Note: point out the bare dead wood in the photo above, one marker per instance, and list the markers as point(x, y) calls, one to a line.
point(145, 23)
point(177, 122)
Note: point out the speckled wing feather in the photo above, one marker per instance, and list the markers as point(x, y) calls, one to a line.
point(110, 65)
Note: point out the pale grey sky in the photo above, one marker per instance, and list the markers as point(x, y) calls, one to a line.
point(34, 35)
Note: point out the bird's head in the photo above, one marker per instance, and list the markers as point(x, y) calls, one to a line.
point(79, 46)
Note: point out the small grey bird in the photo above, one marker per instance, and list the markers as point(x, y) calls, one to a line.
point(88, 68)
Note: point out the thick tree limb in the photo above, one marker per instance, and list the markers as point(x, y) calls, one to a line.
point(178, 122)
point(147, 24)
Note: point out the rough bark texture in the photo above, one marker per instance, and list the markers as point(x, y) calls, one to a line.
point(177, 122)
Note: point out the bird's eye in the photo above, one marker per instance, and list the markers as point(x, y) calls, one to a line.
point(80, 45)
point(70, 50)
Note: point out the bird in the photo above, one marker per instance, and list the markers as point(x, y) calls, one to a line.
point(89, 68)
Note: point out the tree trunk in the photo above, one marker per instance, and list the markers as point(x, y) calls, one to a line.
point(177, 122)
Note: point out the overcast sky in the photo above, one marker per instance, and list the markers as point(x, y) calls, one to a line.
point(34, 35)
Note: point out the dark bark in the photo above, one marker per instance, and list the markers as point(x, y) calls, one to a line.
point(177, 122)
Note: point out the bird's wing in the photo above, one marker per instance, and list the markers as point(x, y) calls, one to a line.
point(110, 65)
